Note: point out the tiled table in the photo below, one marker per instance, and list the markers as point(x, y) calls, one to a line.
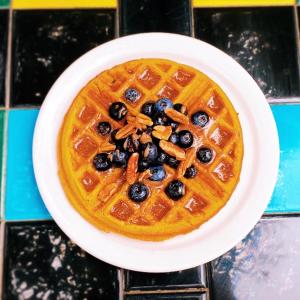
point(38, 40)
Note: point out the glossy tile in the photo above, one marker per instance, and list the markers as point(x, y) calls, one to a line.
point(195, 277)
point(23, 200)
point(2, 117)
point(265, 265)
point(234, 3)
point(168, 297)
point(158, 15)
point(4, 3)
point(42, 263)
point(3, 50)
point(47, 41)
point(263, 40)
point(286, 195)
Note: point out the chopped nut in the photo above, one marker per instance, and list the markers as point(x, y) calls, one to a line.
point(162, 132)
point(145, 175)
point(143, 119)
point(190, 157)
point(172, 149)
point(177, 116)
point(106, 147)
point(132, 167)
point(145, 138)
point(125, 131)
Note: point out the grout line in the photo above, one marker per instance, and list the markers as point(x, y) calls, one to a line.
point(169, 291)
point(296, 18)
point(121, 283)
point(280, 214)
point(192, 18)
point(2, 247)
point(8, 60)
point(30, 220)
point(287, 100)
point(118, 21)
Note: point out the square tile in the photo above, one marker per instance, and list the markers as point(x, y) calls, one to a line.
point(262, 40)
point(4, 3)
point(265, 265)
point(158, 15)
point(47, 41)
point(23, 200)
point(42, 263)
point(168, 297)
point(287, 194)
point(195, 277)
point(3, 50)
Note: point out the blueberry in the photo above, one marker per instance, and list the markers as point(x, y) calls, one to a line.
point(174, 125)
point(103, 128)
point(174, 138)
point(119, 158)
point(200, 118)
point(101, 162)
point(185, 139)
point(118, 111)
point(162, 157)
point(131, 145)
point(138, 192)
point(150, 152)
point(172, 162)
point(148, 109)
point(205, 155)
point(119, 143)
point(190, 172)
point(143, 165)
point(161, 119)
point(158, 173)
point(175, 190)
point(132, 94)
point(181, 108)
point(162, 104)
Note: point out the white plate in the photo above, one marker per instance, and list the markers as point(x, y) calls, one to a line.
point(223, 231)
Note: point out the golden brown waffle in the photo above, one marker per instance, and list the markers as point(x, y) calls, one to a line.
point(101, 197)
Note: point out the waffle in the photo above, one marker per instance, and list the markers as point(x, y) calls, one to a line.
point(102, 197)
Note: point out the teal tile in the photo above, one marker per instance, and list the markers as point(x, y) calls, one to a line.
point(23, 200)
point(4, 3)
point(286, 196)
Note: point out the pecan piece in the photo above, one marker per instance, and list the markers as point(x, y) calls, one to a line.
point(190, 157)
point(132, 167)
point(125, 131)
point(162, 132)
point(143, 119)
point(176, 116)
point(145, 138)
point(172, 149)
point(107, 147)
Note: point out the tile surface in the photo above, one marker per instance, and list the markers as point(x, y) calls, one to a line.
point(287, 194)
point(4, 3)
point(48, 41)
point(263, 40)
point(265, 265)
point(155, 15)
point(42, 263)
point(195, 277)
point(3, 50)
point(22, 201)
point(168, 297)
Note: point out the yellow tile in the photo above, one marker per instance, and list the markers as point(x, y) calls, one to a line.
point(32, 4)
point(224, 3)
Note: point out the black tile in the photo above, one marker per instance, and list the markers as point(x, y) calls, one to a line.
point(46, 42)
point(3, 50)
point(195, 277)
point(42, 263)
point(168, 297)
point(155, 15)
point(265, 265)
point(263, 40)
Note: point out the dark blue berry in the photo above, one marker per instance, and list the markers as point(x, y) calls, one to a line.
point(148, 109)
point(200, 118)
point(132, 94)
point(131, 145)
point(204, 155)
point(174, 125)
point(161, 119)
point(103, 128)
point(138, 192)
point(117, 111)
point(150, 152)
point(119, 158)
point(162, 157)
point(172, 162)
point(174, 138)
point(102, 162)
point(181, 108)
point(158, 173)
point(190, 172)
point(119, 143)
point(143, 165)
point(185, 139)
point(162, 104)
point(175, 190)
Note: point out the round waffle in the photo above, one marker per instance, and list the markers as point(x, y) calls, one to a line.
point(102, 197)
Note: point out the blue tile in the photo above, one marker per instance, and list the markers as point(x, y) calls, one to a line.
point(286, 196)
point(23, 200)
